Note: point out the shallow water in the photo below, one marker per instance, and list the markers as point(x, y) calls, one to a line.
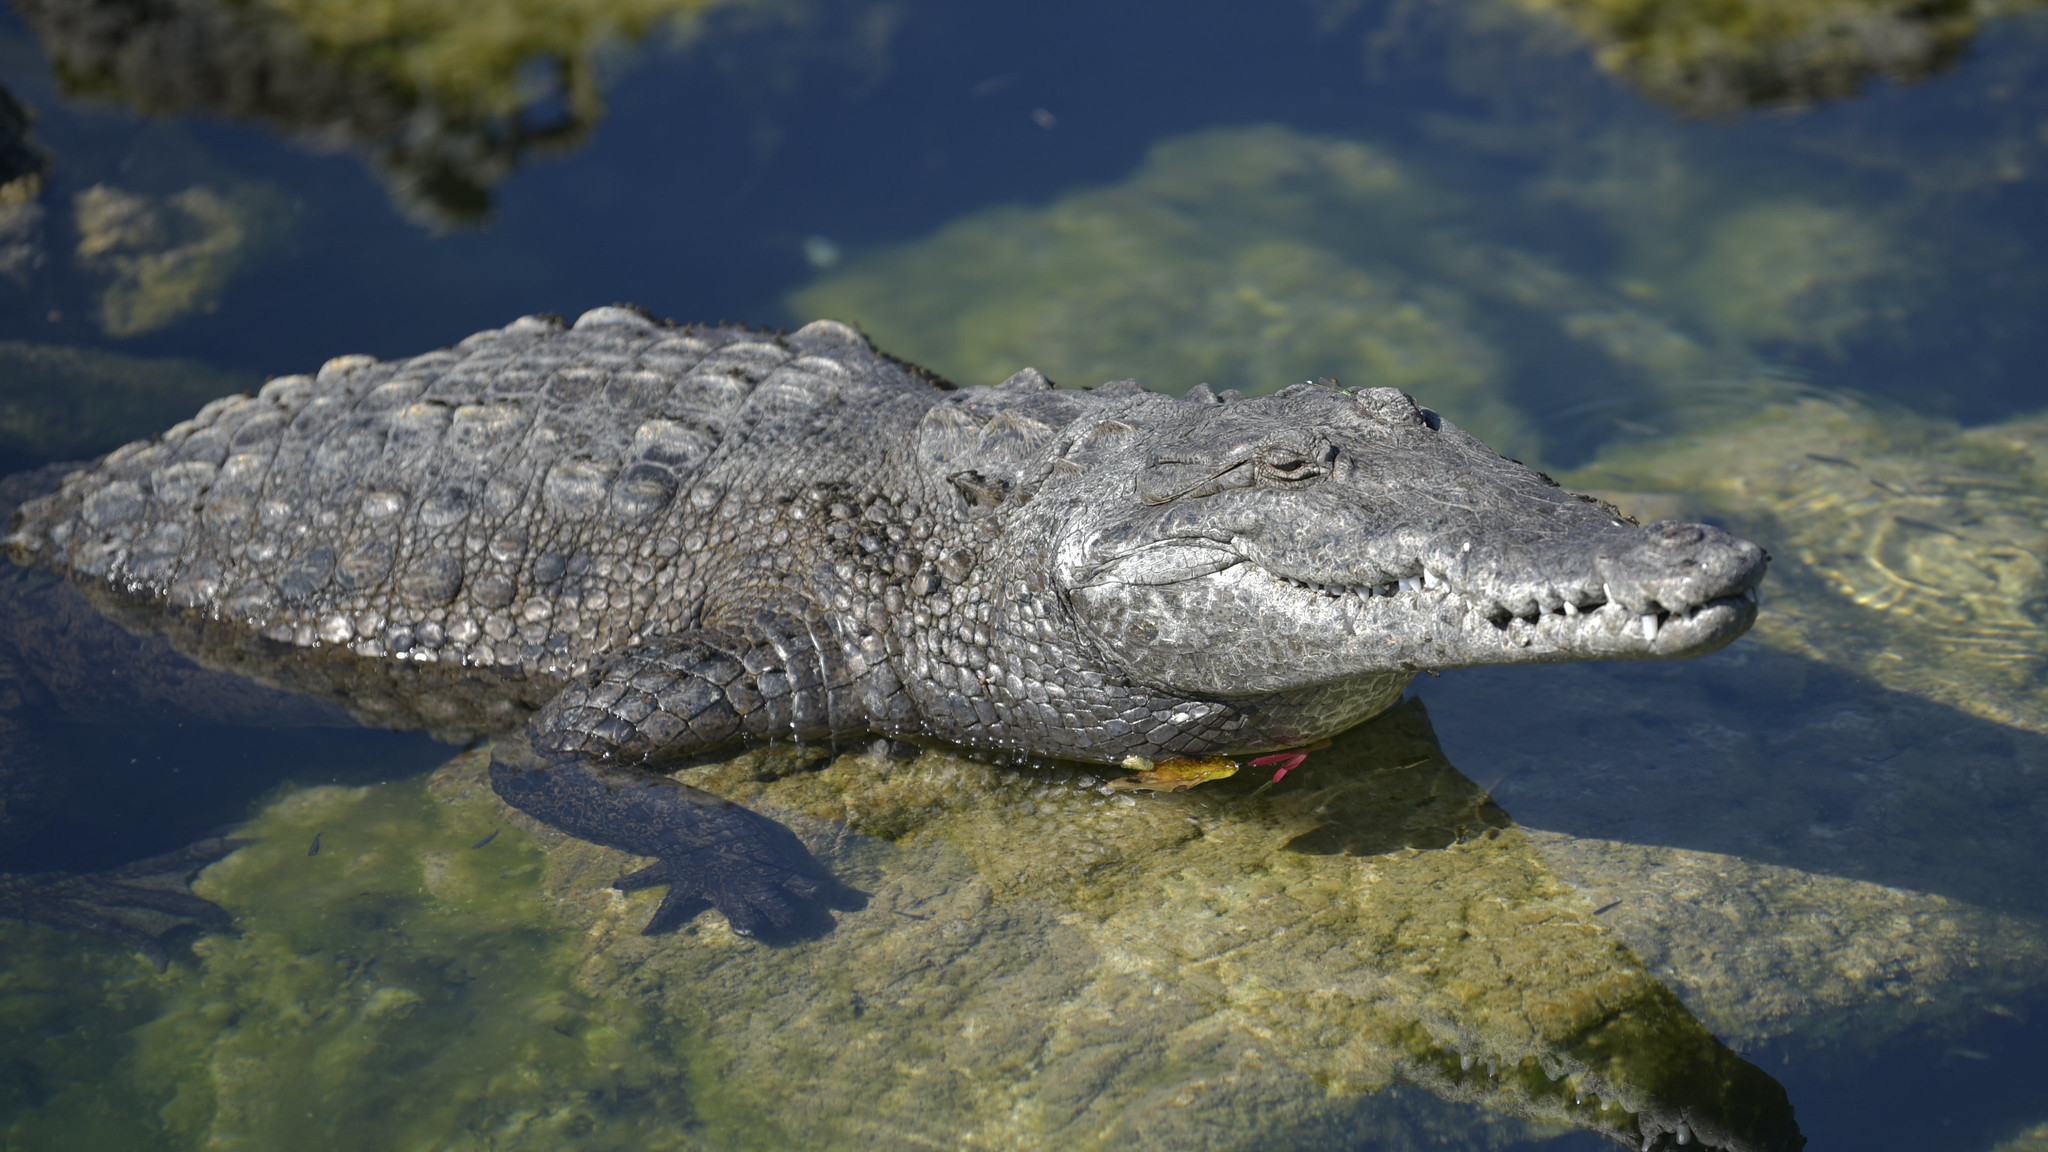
point(1759, 273)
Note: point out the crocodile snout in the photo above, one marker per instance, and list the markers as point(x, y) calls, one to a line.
point(1674, 566)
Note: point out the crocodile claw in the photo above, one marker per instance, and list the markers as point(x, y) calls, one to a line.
point(1284, 762)
point(138, 905)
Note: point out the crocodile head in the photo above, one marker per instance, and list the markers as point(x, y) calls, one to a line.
point(1252, 546)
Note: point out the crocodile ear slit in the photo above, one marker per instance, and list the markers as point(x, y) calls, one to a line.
point(982, 493)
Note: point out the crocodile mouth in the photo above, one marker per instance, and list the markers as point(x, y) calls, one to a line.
point(1579, 615)
point(1417, 616)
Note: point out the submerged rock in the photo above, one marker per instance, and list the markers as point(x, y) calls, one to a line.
point(1042, 963)
point(1861, 870)
point(401, 986)
point(1909, 549)
point(1243, 258)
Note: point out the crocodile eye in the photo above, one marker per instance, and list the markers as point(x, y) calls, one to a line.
point(1287, 464)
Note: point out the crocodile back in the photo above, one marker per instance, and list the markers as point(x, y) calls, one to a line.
point(521, 500)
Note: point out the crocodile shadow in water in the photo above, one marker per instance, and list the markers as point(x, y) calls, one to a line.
point(1770, 757)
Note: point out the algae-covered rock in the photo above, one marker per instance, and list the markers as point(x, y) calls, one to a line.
point(1243, 258)
point(1801, 853)
point(1717, 56)
point(398, 983)
point(62, 403)
point(1863, 868)
point(1795, 273)
point(1253, 258)
point(1042, 963)
point(67, 1014)
point(446, 98)
point(1765, 952)
point(166, 257)
point(1907, 548)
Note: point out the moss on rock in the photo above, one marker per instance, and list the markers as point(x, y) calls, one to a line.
point(1908, 549)
point(396, 983)
point(1244, 258)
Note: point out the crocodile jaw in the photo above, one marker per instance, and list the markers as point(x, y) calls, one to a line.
point(1197, 617)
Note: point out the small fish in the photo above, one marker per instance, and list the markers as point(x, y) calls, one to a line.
point(1606, 908)
point(486, 840)
point(315, 849)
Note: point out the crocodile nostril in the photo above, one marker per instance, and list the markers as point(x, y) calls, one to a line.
point(1679, 535)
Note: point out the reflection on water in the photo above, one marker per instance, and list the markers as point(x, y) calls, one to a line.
point(64, 403)
point(1819, 844)
point(1724, 57)
point(445, 98)
point(164, 257)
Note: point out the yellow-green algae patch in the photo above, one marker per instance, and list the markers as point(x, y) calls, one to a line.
point(2034, 1139)
point(1718, 56)
point(1245, 258)
point(1044, 965)
point(165, 258)
point(447, 97)
point(68, 1011)
point(1765, 952)
point(399, 987)
point(63, 403)
point(1041, 964)
point(1907, 549)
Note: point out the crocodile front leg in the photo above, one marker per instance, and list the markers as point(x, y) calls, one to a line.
point(584, 767)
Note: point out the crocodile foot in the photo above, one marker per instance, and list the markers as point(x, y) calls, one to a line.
point(137, 905)
point(762, 898)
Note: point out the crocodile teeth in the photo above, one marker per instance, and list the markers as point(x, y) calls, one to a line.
point(1431, 579)
point(1649, 621)
point(1410, 584)
point(1571, 609)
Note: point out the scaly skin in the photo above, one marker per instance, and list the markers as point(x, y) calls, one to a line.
point(657, 541)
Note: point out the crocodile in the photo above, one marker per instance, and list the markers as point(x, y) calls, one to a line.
point(619, 543)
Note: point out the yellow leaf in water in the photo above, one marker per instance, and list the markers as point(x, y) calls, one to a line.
point(1174, 774)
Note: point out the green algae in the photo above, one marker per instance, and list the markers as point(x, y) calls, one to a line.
point(1719, 56)
point(1243, 258)
point(68, 1009)
point(1253, 258)
point(1041, 964)
point(1764, 952)
point(1909, 549)
point(2034, 1139)
point(165, 258)
point(400, 985)
point(1793, 273)
point(1044, 965)
point(64, 403)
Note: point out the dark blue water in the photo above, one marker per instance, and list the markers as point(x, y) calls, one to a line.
point(1879, 251)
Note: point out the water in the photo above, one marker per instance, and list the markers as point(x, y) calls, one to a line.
point(1779, 285)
